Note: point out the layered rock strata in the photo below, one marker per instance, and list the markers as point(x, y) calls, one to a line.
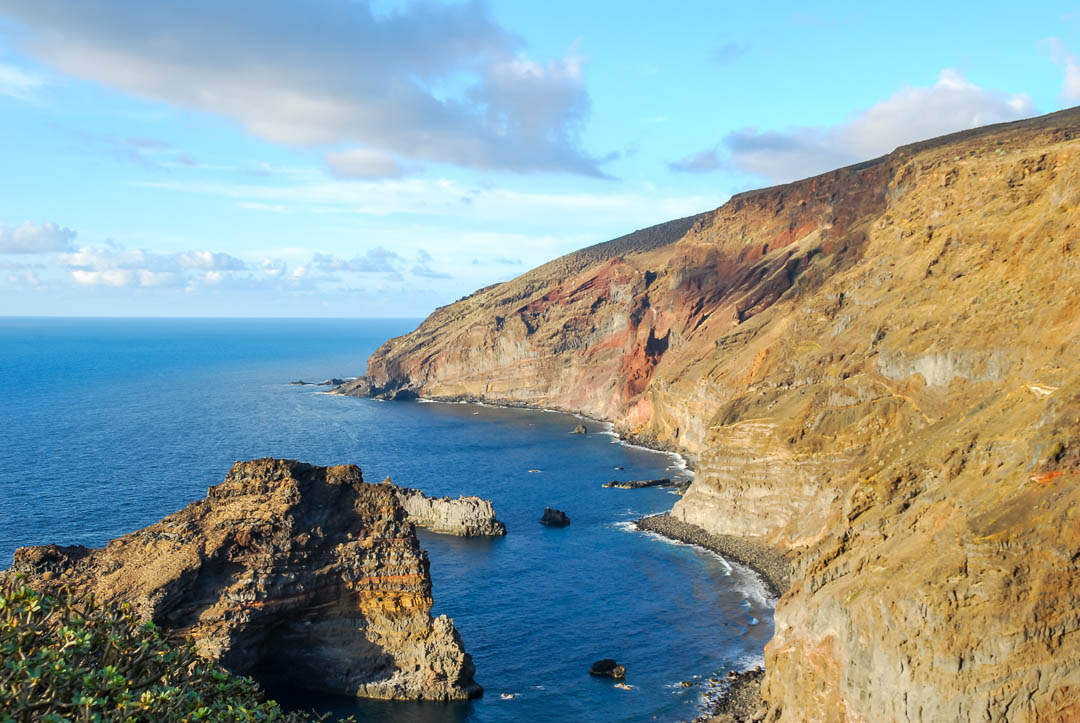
point(464, 516)
point(284, 570)
point(876, 372)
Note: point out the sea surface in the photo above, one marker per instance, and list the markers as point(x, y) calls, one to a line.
point(108, 425)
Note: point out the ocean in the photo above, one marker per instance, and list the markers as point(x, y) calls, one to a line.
point(110, 424)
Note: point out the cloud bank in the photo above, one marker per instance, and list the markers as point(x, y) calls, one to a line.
point(30, 238)
point(428, 82)
point(912, 114)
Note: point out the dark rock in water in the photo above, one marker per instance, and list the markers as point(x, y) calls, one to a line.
point(359, 387)
point(608, 667)
point(297, 383)
point(638, 483)
point(580, 429)
point(402, 395)
point(335, 382)
point(285, 571)
point(554, 518)
point(618, 469)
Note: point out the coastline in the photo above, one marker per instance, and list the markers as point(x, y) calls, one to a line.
point(647, 442)
point(772, 567)
point(736, 698)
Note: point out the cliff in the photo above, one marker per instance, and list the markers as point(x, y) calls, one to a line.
point(284, 570)
point(876, 371)
point(464, 516)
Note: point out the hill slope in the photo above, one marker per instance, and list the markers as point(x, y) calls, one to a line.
point(876, 370)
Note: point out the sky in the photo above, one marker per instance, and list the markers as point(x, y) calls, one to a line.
point(335, 158)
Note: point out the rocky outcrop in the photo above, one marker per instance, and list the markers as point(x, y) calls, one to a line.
point(464, 516)
point(554, 518)
point(636, 484)
point(608, 667)
point(876, 372)
point(285, 569)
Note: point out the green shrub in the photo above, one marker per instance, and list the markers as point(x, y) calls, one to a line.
point(64, 658)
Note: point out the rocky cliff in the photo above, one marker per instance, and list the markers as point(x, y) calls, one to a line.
point(464, 516)
point(284, 570)
point(876, 371)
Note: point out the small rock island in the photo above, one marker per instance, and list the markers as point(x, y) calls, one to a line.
point(554, 518)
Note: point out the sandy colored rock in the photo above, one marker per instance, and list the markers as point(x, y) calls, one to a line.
point(875, 371)
point(284, 570)
point(463, 516)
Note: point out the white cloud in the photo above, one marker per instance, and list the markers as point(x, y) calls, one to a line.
point(1070, 84)
point(442, 197)
point(273, 267)
point(363, 163)
point(109, 277)
point(31, 238)
point(373, 261)
point(426, 81)
point(115, 266)
point(209, 260)
point(18, 83)
point(25, 277)
point(912, 114)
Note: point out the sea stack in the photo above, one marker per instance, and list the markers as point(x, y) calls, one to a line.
point(464, 516)
point(285, 570)
point(554, 518)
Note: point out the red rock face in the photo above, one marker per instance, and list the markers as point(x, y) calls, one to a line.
point(876, 371)
point(284, 570)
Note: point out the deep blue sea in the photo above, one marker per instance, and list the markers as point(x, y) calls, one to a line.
point(108, 425)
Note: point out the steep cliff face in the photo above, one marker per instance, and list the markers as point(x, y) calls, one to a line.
point(285, 569)
point(876, 370)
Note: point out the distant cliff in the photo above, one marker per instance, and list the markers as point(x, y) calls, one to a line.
point(877, 371)
point(285, 570)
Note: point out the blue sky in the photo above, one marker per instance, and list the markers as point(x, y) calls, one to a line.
point(331, 158)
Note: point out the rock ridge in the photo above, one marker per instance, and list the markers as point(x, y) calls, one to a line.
point(284, 570)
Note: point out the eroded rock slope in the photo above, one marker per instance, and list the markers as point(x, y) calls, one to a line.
point(877, 372)
point(284, 570)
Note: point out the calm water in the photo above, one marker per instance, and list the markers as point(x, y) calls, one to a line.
point(108, 425)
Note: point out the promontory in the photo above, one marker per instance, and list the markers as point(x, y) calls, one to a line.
point(285, 570)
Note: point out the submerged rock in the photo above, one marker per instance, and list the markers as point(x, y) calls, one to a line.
point(286, 570)
point(554, 518)
point(464, 516)
point(608, 667)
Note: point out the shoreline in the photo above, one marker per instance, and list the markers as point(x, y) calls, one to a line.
point(738, 697)
point(773, 568)
point(646, 442)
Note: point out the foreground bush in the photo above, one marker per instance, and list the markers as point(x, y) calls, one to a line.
point(63, 658)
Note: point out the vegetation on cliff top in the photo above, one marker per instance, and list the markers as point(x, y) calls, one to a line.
point(65, 658)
